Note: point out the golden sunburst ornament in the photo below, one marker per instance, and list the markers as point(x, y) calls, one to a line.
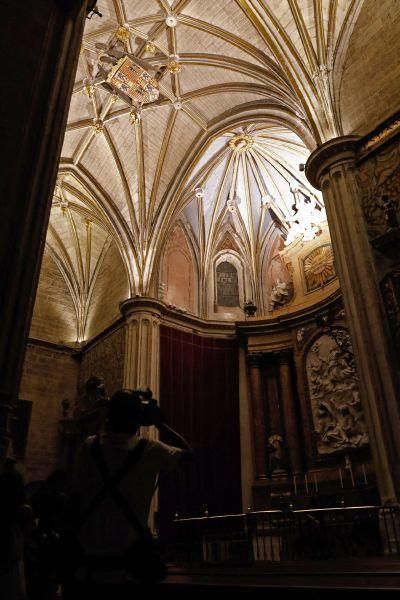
point(319, 267)
point(241, 143)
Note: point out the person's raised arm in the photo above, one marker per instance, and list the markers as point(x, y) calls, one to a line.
point(170, 436)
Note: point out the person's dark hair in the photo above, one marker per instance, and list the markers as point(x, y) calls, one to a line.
point(124, 411)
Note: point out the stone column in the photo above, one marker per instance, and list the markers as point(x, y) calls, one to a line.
point(272, 396)
point(39, 45)
point(332, 169)
point(142, 357)
point(259, 417)
point(292, 437)
point(142, 349)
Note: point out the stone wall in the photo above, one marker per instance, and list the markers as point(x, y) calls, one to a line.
point(369, 91)
point(105, 359)
point(49, 376)
point(54, 317)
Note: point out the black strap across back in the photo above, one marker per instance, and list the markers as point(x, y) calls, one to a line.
point(111, 482)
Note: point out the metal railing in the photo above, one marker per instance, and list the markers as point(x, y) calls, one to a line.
point(273, 536)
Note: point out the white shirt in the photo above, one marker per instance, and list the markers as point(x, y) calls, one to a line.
point(107, 530)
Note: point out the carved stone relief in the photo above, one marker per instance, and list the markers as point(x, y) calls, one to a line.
point(319, 267)
point(335, 398)
point(390, 287)
point(379, 181)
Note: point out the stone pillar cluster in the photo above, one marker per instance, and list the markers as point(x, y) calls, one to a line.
point(332, 168)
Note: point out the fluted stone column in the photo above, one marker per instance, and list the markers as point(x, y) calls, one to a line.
point(142, 345)
point(39, 45)
point(332, 169)
point(142, 357)
point(259, 417)
point(292, 437)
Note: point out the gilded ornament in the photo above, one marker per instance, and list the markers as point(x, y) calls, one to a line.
point(123, 34)
point(241, 143)
point(382, 135)
point(150, 47)
point(98, 126)
point(319, 267)
point(88, 88)
point(135, 116)
point(174, 66)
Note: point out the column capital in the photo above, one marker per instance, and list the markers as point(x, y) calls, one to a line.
point(254, 359)
point(338, 150)
point(142, 304)
point(284, 355)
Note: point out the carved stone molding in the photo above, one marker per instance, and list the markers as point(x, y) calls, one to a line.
point(142, 304)
point(337, 151)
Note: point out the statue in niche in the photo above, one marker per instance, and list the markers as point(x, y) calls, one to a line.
point(280, 294)
point(275, 454)
point(335, 397)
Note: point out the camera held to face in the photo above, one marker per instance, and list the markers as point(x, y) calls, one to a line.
point(150, 413)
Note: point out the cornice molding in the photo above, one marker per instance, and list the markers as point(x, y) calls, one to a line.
point(380, 135)
point(289, 321)
point(338, 150)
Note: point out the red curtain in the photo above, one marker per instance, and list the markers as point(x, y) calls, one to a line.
point(199, 396)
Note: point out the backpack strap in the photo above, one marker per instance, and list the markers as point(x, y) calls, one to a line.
point(111, 482)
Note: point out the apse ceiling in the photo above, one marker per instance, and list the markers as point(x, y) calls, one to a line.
point(246, 90)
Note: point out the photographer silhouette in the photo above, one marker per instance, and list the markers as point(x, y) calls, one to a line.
point(114, 480)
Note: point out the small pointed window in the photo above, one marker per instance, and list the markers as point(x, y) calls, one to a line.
point(227, 285)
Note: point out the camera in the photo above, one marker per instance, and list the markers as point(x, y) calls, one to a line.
point(148, 405)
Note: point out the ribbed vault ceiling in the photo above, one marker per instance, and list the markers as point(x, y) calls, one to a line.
point(268, 70)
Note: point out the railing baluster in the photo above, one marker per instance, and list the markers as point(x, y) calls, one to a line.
point(287, 535)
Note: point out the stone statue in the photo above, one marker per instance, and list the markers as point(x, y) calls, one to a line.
point(275, 453)
point(280, 294)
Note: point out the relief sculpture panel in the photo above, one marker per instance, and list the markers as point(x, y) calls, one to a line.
point(379, 181)
point(332, 381)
